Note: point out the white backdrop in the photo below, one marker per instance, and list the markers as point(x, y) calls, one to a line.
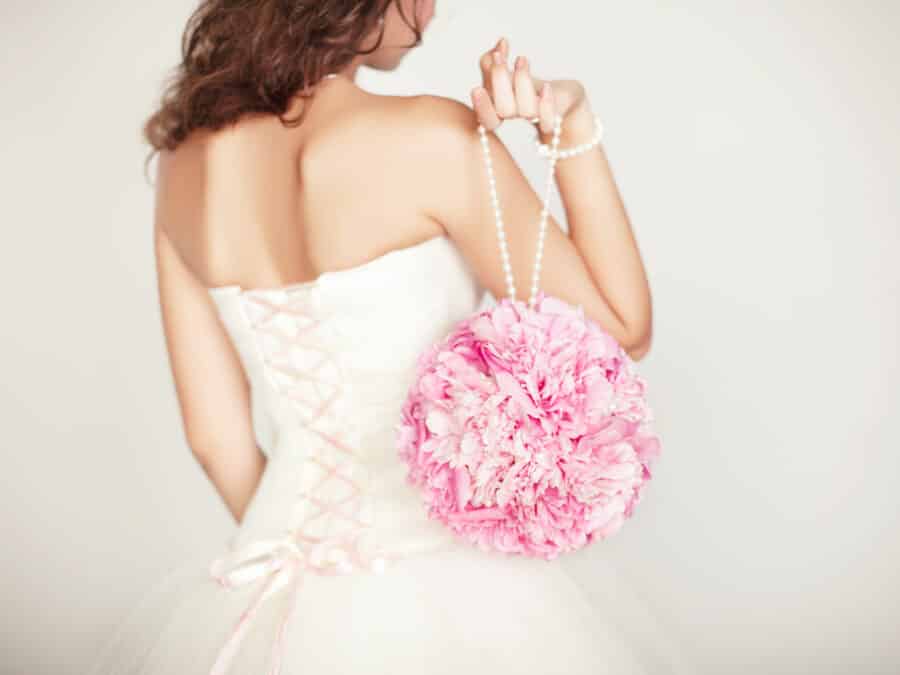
point(758, 150)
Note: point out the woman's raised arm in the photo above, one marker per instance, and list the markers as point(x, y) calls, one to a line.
point(597, 265)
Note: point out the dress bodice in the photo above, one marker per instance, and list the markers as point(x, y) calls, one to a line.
point(329, 363)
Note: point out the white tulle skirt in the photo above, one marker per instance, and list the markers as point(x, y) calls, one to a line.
point(459, 611)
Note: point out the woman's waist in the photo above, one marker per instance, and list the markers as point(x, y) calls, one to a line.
point(345, 501)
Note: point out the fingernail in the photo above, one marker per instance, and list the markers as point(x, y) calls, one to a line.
point(503, 43)
point(520, 62)
point(498, 57)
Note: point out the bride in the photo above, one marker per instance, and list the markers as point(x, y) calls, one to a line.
point(311, 239)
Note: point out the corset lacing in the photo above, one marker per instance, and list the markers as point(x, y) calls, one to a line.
point(331, 533)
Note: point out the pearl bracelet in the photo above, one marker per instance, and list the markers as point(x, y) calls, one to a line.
point(544, 149)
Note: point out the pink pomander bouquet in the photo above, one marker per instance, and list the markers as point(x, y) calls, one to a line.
point(527, 430)
point(527, 427)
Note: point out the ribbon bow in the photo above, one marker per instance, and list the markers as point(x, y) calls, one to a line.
point(335, 495)
point(283, 560)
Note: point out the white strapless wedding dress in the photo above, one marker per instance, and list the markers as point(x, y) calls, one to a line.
point(336, 569)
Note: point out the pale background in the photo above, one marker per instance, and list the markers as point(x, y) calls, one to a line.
point(757, 146)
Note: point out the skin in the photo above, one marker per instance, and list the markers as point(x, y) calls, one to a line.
point(262, 205)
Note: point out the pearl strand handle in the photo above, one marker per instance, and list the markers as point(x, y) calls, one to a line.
point(545, 212)
point(565, 153)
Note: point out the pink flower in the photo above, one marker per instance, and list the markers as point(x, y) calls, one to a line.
point(528, 431)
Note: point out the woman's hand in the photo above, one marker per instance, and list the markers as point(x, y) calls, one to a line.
point(508, 94)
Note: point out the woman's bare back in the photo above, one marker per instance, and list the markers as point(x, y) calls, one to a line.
point(260, 204)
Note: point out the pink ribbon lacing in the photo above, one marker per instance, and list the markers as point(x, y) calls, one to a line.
point(286, 559)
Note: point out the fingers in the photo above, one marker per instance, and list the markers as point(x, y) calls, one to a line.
point(505, 94)
point(487, 60)
point(546, 109)
point(502, 88)
point(526, 96)
point(484, 108)
point(482, 96)
point(503, 46)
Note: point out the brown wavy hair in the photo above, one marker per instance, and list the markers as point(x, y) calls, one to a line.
point(255, 56)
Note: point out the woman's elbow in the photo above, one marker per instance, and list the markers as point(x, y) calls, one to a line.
point(639, 343)
point(203, 447)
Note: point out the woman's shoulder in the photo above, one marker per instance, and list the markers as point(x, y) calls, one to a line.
point(415, 113)
point(412, 114)
point(431, 125)
point(243, 140)
point(436, 116)
point(386, 129)
point(443, 110)
point(218, 180)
